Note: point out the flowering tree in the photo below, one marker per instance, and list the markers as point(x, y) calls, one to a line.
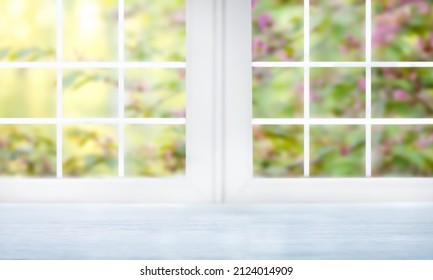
point(155, 30)
point(90, 33)
point(89, 150)
point(403, 150)
point(278, 30)
point(27, 150)
point(278, 151)
point(337, 92)
point(337, 30)
point(158, 93)
point(337, 150)
point(402, 92)
point(155, 150)
point(403, 30)
point(278, 92)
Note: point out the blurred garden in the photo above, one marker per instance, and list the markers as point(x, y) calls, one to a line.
point(155, 31)
point(278, 30)
point(401, 31)
point(90, 34)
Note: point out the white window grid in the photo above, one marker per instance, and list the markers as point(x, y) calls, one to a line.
point(367, 121)
point(120, 65)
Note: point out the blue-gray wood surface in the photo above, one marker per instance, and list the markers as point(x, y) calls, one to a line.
point(296, 231)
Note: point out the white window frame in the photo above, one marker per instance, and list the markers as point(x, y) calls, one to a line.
point(198, 183)
point(219, 121)
point(239, 185)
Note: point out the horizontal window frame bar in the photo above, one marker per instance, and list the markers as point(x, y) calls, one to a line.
point(335, 64)
point(89, 64)
point(343, 121)
point(115, 121)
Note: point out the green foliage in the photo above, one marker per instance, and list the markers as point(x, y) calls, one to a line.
point(155, 150)
point(337, 151)
point(91, 93)
point(27, 30)
point(337, 92)
point(278, 92)
point(403, 30)
point(27, 150)
point(337, 30)
point(144, 21)
point(89, 150)
point(26, 54)
point(403, 150)
point(278, 151)
point(402, 92)
point(278, 30)
point(157, 93)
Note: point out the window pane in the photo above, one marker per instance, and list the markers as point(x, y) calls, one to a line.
point(27, 93)
point(155, 93)
point(27, 30)
point(403, 150)
point(337, 30)
point(278, 92)
point(155, 150)
point(337, 92)
point(278, 27)
point(90, 93)
point(403, 30)
point(278, 151)
point(90, 30)
point(28, 150)
point(89, 150)
point(402, 92)
point(155, 30)
point(337, 150)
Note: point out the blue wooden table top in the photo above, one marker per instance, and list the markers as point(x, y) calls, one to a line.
point(294, 231)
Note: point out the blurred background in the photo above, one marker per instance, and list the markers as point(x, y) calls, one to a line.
point(278, 30)
point(401, 32)
point(90, 33)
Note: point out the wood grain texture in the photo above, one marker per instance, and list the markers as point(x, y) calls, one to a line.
point(296, 231)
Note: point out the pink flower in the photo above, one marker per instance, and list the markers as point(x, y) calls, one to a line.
point(282, 55)
point(259, 46)
point(178, 113)
point(314, 96)
point(182, 74)
point(178, 17)
point(424, 142)
point(384, 32)
point(423, 8)
point(389, 73)
point(361, 83)
point(400, 95)
point(350, 43)
point(265, 21)
point(300, 88)
point(254, 4)
point(140, 87)
point(345, 150)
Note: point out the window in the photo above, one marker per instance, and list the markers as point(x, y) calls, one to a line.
point(340, 100)
point(216, 101)
point(97, 104)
